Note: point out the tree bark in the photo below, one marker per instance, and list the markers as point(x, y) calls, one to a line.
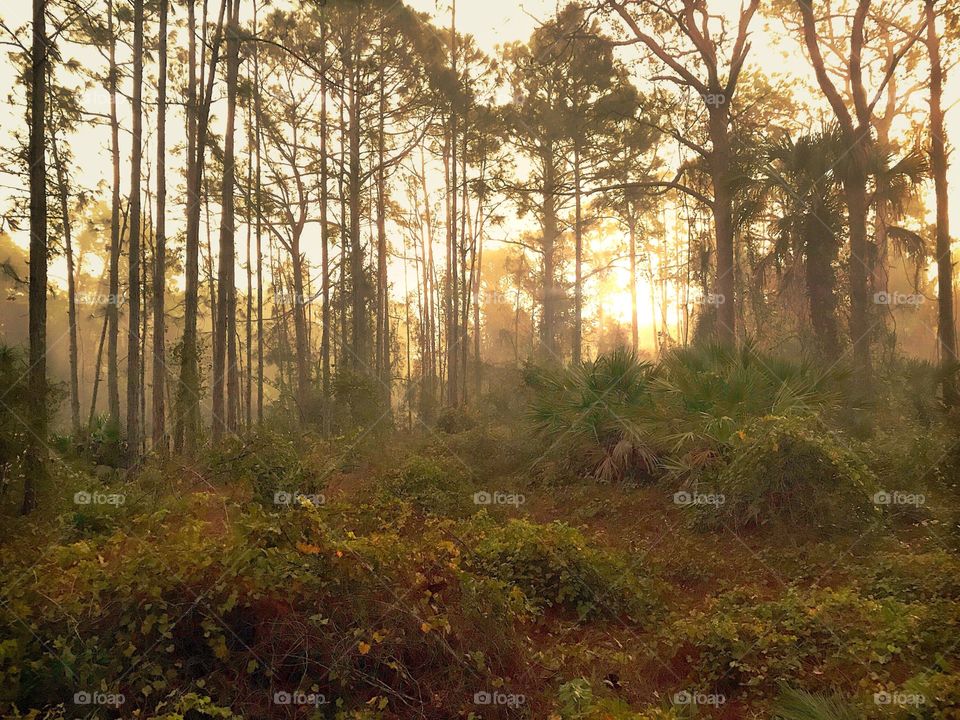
point(63, 191)
point(225, 347)
point(35, 457)
point(113, 299)
point(578, 283)
point(946, 328)
point(160, 256)
point(721, 160)
point(133, 253)
point(188, 391)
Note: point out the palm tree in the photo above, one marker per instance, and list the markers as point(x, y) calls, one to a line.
point(800, 173)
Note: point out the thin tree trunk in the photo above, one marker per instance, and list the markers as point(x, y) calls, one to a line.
point(257, 112)
point(225, 348)
point(188, 390)
point(578, 286)
point(63, 191)
point(721, 159)
point(96, 375)
point(324, 230)
point(133, 253)
point(35, 458)
point(946, 328)
point(160, 257)
point(634, 310)
point(113, 305)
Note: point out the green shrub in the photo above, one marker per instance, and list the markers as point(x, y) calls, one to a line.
point(594, 415)
point(789, 469)
point(266, 463)
point(576, 701)
point(940, 689)
point(739, 643)
point(276, 602)
point(453, 420)
point(431, 486)
point(622, 418)
point(925, 576)
point(359, 401)
point(554, 565)
point(488, 451)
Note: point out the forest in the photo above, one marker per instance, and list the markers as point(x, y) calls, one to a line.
point(479, 359)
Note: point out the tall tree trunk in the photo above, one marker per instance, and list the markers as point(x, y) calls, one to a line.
point(96, 373)
point(721, 159)
point(551, 292)
point(248, 390)
point(359, 332)
point(821, 281)
point(453, 330)
point(188, 390)
point(324, 230)
point(946, 328)
point(259, 200)
point(113, 304)
point(634, 310)
point(383, 300)
point(299, 311)
point(34, 460)
point(855, 193)
point(63, 192)
point(160, 253)
point(225, 347)
point(578, 285)
point(133, 253)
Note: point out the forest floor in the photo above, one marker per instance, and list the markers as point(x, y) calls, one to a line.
point(393, 589)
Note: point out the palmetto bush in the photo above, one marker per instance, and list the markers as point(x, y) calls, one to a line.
point(620, 417)
point(597, 414)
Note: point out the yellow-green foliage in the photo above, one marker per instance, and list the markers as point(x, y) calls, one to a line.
point(739, 642)
point(277, 601)
point(554, 565)
point(790, 469)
